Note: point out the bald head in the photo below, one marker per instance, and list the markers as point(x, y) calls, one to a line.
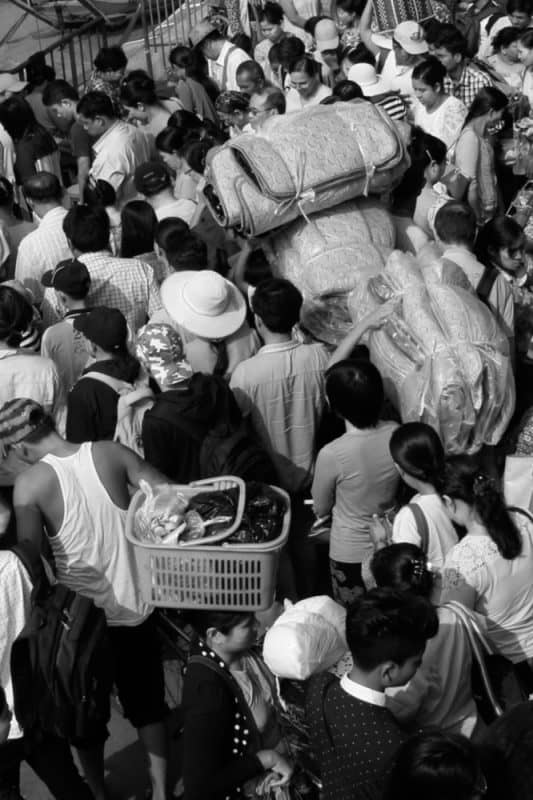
point(44, 188)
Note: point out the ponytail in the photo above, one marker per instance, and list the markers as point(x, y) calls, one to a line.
point(463, 480)
point(404, 567)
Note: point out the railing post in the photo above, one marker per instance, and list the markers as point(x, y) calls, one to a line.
point(146, 37)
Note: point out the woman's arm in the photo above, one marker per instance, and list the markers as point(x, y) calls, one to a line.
point(292, 15)
point(324, 483)
point(466, 160)
point(365, 30)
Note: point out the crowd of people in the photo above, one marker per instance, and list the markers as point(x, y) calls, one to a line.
point(118, 285)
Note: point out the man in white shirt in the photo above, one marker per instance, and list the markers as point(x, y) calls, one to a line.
point(519, 16)
point(119, 148)
point(408, 46)
point(223, 57)
point(42, 249)
point(152, 179)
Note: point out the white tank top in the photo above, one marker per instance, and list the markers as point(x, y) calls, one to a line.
point(91, 552)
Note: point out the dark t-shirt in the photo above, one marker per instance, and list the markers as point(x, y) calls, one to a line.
point(80, 141)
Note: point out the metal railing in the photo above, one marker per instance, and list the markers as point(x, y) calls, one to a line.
point(72, 55)
point(153, 29)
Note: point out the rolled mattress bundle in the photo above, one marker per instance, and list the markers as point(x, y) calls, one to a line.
point(442, 355)
point(304, 162)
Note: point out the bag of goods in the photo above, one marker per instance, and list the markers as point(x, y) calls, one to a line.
point(443, 358)
point(327, 317)
point(264, 513)
point(309, 637)
point(389, 13)
point(304, 162)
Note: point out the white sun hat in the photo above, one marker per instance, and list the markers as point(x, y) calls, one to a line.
point(204, 303)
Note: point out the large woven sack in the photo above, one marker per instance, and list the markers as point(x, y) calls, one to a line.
point(389, 13)
point(304, 162)
point(327, 255)
point(442, 355)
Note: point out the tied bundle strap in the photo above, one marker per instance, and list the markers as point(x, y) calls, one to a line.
point(368, 164)
point(301, 196)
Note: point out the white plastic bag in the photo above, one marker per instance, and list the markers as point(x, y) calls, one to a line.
point(518, 482)
point(307, 638)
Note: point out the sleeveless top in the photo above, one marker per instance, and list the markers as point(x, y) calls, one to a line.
point(91, 552)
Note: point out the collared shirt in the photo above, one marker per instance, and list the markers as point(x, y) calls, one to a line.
point(123, 283)
point(25, 374)
point(282, 389)
point(224, 69)
point(117, 154)
point(42, 250)
point(468, 85)
point(363, 692)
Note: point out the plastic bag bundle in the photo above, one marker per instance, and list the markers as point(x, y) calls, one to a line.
point(307, 638)
point(442, 355)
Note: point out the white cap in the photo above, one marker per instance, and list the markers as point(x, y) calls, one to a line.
point(365, 75)
point(409, 35)
point(10, 83)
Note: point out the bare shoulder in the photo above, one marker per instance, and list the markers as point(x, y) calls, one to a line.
point(33, 483)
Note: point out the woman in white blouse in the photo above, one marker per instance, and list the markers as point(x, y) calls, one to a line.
point(490, 570)
point(435, 112)
point(306, 86)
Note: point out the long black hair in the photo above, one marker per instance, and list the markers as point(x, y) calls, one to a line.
point(463, 480)
point(417, 449)
point(402, 566)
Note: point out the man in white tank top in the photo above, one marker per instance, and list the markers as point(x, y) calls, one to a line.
point(78, 495)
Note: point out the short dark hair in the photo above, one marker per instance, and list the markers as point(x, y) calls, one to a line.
point(96, 104)
point(138, 87)
point(520, 6)
point(500, 233)
point(16, 314)
point(430, 71)
point(275, 99)
point(347, 90)
point(505, 37)
point(254, 69)
point(435, 765)
point(44, 426)
point(387, 625)
point(87, 228)
point(277, 303)
point(58, 90)
point(271, 13)
point(455, 223)
point(98, 193)
point(169, 232)
point(354, 389)
point(526, 39)
point(110, 59)
point(449, 38)
point(289, 49)
point(305, 64)
point(189, 252)
point(43, 187)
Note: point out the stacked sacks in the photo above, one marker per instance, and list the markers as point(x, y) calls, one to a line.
point(304, 162)
point(327, 255)
point(442, 355)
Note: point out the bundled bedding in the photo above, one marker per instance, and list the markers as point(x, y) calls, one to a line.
point(305, 162)
point(442, 355)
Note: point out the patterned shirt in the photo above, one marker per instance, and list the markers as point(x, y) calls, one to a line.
point(123, 283)
point(468, 85)
point(42, 250)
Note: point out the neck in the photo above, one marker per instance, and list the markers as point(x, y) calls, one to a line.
point(479, 124)
point(275, 338)
point(439, 100)
point(54, 445)
point(422, 487)
point(161, 198)
point(7, 216)
point(75, 305)
point(230, 659)
point(43, 208)
point(372, 680)
point(457, 71)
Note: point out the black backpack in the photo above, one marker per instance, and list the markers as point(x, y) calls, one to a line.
point(62, 665)
point(231, 450)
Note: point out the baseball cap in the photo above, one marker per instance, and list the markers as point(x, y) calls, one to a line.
point(16, 420)
point(105, 327)
point(204, 303)
point(159, 348)
point(200, 32)
point(365, 75)
point(409, 35)
point(151, 177)
point(10, 83)
point(70, 276)
point(326, 36)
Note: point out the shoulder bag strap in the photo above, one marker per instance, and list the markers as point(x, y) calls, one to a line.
point(480, 648)
point(523, 511)
point(421, 525)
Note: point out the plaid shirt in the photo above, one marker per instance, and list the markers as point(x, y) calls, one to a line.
point(123, 283)
point(468, 85)
point(41, 250)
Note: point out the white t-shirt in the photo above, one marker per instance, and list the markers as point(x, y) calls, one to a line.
point(441, 533)
point(397, 79)
point(295, 102)
point(445, 122)
point(501, 590)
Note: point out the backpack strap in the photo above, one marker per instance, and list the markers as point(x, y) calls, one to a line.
point(422, 526)
point(114, 383)
point(486, 282)
point(226, 67)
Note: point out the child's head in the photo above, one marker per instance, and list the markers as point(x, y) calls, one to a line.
point(386, 632)
point(227, 632)
point(455, 223)
point(501, 242)
point(436, 765)
point(403, 567)
point(354, 389)
point(417, 451)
